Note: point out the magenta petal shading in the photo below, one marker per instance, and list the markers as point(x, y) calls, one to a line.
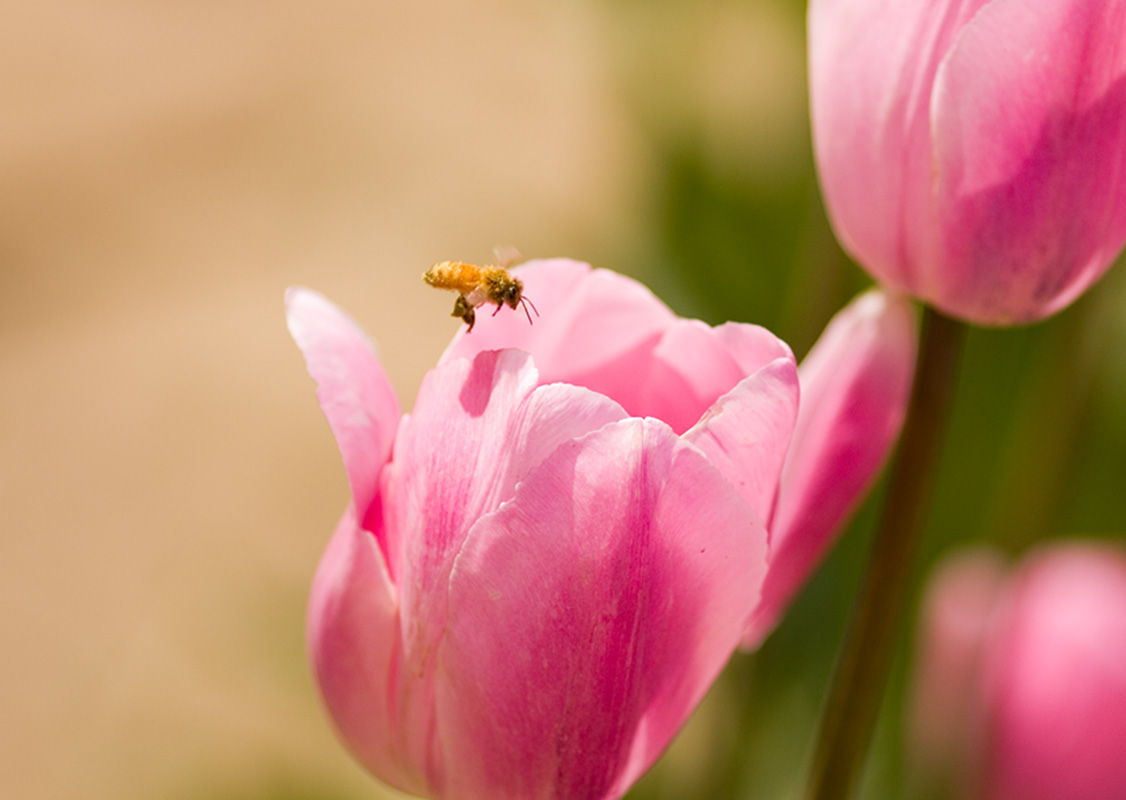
point(612, 589)
point(855, 384)
point(352, 388)
point(1032, 190)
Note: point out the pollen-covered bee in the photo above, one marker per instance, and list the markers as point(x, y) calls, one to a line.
point(478, 285)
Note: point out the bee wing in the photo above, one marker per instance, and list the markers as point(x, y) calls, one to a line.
point(477, 297)
point(506, 255)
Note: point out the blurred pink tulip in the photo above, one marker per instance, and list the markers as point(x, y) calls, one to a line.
point(1021, 688)
point(548, 561)
point(973, 152)
point(947, 728)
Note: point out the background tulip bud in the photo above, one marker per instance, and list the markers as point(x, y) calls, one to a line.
point(973, 153)
point(1021, 686)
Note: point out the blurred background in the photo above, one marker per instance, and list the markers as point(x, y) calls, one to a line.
point(167, 481)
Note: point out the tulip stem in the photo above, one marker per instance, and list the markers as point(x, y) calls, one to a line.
point(852, 707)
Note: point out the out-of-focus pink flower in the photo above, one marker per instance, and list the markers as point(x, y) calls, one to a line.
point(947, 728)
point(973, 152)
point(1021, 686)
point(546, 563)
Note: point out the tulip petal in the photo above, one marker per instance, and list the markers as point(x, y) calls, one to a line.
point(872, 65)
point(612, 589)
point(746, 433)
point(352, 389)
point(610, 334)
point(752, 346)
point(694, 364)
point(594, 327)
point(856, 384)
point(477, 429)
point(352, 628)
point(1029, 128)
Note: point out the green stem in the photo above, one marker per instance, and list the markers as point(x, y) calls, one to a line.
point(853, 704)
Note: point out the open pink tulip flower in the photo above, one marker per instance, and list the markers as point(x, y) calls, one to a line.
point(1021, 686)
point(546, 562)
point(972, 153)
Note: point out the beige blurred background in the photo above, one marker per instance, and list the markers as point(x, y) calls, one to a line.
point(166, 170)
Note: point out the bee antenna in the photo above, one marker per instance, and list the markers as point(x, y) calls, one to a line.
point(525, 302)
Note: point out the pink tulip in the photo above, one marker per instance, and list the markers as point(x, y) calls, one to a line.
point(548, 561)
point(973, 152)
point(1040, 673)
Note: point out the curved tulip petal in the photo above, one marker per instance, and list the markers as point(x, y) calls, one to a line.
point(610, 334)
point(1031, 191)
point(1057, 686)
point(856, 384)
point(591, 322)
point(693, 365)
point(351, 625)
point(612, 588)
point(751, 346)
point(352, 388)
point(872, 65)
point(477, 428)
point(746, 433)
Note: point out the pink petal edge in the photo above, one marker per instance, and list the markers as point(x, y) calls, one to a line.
point(353, 390)
point(746, 433)
point(588, 318)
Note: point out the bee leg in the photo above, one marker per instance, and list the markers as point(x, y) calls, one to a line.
point(464, 311)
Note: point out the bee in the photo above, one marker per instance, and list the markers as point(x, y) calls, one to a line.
point(476, 286)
